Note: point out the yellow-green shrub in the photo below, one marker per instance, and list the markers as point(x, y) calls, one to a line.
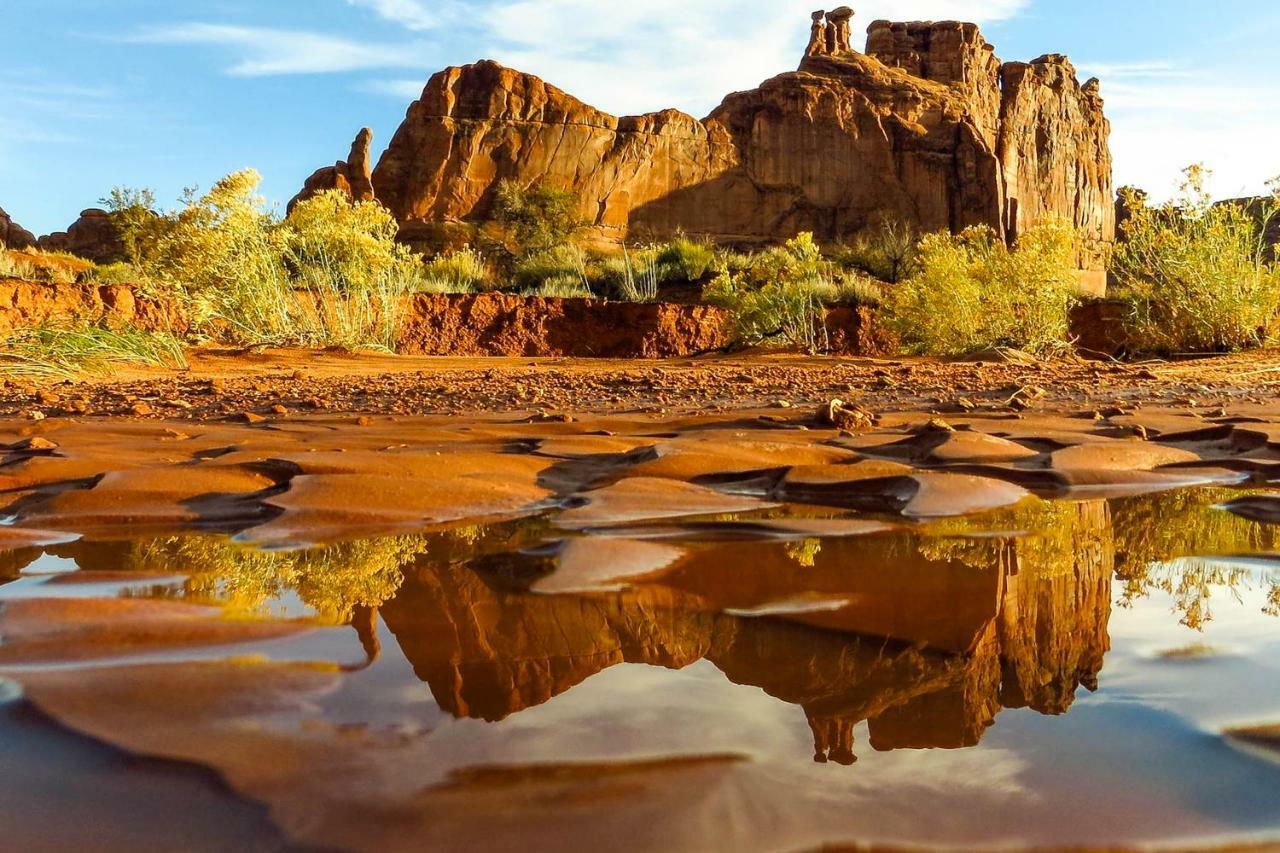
point(783, 294)
point(972, 292)
point(330, 275)
point(1197, 274)
point(460, 271)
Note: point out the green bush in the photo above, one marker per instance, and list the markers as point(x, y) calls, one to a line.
point(566, 286)
point(888, 251)
point(141, 228)
point(783, 294)
point(972, 292)
point(1196, 274)
point(685, 259)
point(534, 220)
point(460, 271)
point(563, 263)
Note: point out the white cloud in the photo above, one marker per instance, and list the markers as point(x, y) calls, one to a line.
point(412, 14)
point(650, 54)
point(1165, 117)
point(266, 51)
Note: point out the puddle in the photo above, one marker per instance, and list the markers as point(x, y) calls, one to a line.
point(590, 654)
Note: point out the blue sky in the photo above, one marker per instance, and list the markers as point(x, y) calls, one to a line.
point(165, 94)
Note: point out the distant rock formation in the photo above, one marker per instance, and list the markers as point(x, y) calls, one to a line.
point(12, 235)
point(93, 237)
point(353, 175)
point(927, 127)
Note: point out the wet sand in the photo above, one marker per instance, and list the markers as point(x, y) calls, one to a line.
point(580, 604)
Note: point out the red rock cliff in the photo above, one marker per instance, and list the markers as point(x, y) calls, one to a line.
point(927, 126)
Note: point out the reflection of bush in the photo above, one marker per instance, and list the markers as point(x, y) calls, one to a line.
point(1046, 535)
point(1156, 538)
point(332, 580)
point(1157, 535)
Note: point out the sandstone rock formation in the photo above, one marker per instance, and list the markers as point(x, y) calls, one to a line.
point(927, 127)
point(12, 235)
point(93, 237)
point(353, 175)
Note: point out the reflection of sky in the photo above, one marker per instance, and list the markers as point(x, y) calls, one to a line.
point(1139, 761)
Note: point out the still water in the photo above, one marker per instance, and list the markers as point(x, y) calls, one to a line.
point(1069, 673)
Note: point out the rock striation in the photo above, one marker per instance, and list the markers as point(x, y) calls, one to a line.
point(12, 235)
point(927, 126)
point(353, 175)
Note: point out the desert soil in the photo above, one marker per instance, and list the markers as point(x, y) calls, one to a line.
point(277, 383)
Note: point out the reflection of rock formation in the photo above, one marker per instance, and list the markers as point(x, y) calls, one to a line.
point(1056, 605)
point(488, 650)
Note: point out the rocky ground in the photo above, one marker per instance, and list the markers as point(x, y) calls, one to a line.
point(280, 383)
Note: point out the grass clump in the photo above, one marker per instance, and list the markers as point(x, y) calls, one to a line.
point(66, 352)
point(782, 295)
point(1197, 275)
point(972, 292)
point(460, 271)
point(39, 265)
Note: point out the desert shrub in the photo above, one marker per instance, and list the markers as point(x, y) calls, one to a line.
point(533, 220)
point(562, 263)
point(888, 251)
point(853, 290)
point(685, 259)
point(329, 275)
point(972, 292)
point(16, 265)
point(566, 286)
point(69, 351)
point(134, 215)
point(1196, 274)
point(117, 273)
point(460, 271)
point(783, 294)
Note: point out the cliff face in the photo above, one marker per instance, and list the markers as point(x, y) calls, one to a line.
point(481, 123)
point(926, 127)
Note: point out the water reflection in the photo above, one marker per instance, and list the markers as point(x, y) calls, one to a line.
point(925, 634)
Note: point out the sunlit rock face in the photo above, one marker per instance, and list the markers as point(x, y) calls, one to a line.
point(351, 176)
point(927, 127)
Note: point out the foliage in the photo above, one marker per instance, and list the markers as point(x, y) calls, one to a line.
point(888, 251)
point(66, 352)
point(141, 228)
point(783, 294)
point(329, 275)
point(972, 292)
point(854, 290)
point(563, 286)
point(641, 275)
point(685, 259)
point(1196, 274)
point(461, 271)
point(565, 266)
point(534, 220)
point(1165, 542)
point(39, 265)
point(333, 580)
